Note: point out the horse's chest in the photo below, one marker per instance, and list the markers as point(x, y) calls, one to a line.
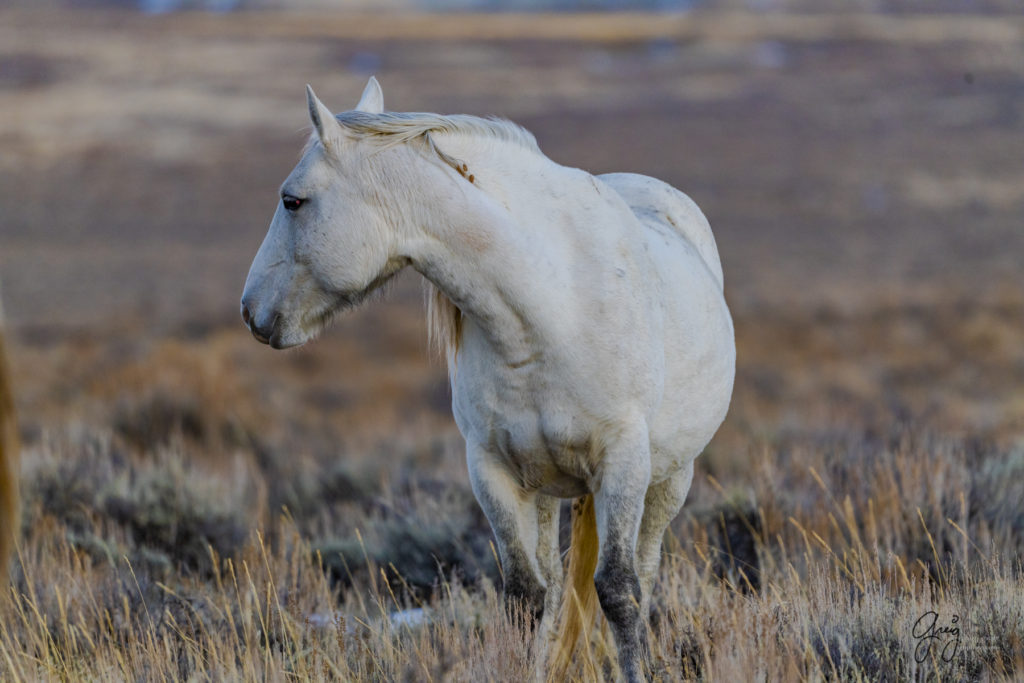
point(537, 433)
point(515, 419)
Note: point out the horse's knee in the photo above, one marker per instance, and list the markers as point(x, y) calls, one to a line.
point(618, 591)
point(524, 591)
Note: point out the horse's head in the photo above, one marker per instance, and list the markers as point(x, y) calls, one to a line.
point(328, 244)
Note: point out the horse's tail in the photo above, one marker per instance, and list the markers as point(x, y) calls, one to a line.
point(579, 601)
point(8, 465)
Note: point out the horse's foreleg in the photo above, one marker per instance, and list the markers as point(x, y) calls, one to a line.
point(661, 505)
point(513, 515)
point(619, 506)
point(550, 561)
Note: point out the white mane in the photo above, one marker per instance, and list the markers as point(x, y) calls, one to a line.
point(399, 127)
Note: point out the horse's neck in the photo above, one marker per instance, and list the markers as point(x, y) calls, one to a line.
point(479, 252)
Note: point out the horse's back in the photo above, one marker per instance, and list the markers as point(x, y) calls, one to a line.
point(652, 200)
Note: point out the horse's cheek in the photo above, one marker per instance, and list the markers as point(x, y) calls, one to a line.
point(337, 261)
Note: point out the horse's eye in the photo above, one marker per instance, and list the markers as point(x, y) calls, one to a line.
point(291, 203)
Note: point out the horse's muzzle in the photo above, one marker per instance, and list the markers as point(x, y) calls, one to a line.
point(262, 334)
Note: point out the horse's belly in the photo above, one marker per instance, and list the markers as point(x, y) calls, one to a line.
point(564, 486)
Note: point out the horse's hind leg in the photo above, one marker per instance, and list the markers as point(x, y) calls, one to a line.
point(619, 506)
point(513, 514)
point(661, 505)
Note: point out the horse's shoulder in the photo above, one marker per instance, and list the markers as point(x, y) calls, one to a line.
point(652, 198)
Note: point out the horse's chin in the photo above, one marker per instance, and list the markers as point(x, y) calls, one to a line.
point(316, 322)
point(290, 334)
point(280, 342)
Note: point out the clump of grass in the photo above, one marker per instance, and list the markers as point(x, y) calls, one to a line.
point(159, 512)
point(174, 391)
point(416, 555)
point(175, 524)
point(158, 419)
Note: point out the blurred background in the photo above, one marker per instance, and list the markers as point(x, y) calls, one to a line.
point(859, 162)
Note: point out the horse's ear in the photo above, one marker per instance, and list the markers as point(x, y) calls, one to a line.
point(327, 127)
point(372, 101)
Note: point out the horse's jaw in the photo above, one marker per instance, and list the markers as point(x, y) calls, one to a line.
point(316, 317)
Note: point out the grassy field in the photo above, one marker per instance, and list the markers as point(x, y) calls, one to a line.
point(197, 506)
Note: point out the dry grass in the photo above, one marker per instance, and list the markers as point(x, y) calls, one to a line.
point(842, 574)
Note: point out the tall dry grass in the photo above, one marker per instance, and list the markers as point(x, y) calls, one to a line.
point(818, 567)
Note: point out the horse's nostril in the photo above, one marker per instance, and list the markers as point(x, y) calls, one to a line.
point(245, 314)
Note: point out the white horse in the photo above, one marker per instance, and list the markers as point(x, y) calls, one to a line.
point(590, 348)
